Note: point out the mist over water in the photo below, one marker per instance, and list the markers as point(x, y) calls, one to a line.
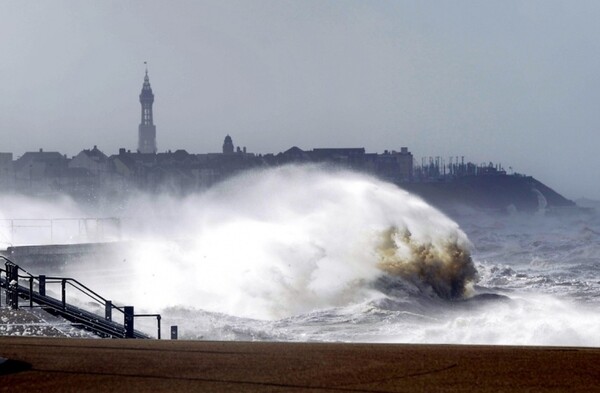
point(307, 253)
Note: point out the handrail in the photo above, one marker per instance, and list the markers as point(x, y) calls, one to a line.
point(73, 280)
point(76, 284)
point(158, 318)
point(18, 267)
point(67, 279)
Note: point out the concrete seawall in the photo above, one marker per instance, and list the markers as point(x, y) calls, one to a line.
point(55, 257)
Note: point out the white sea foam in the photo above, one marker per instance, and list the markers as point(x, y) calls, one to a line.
point(292, 240)
point(309, 253)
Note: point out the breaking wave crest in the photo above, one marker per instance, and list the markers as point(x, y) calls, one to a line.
point(291, 240)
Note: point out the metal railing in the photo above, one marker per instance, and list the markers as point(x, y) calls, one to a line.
point(61, 306)
point(82, 228)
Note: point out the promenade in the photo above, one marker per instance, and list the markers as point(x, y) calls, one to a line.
point(58, 364)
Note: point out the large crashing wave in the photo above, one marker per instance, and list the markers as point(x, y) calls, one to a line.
point(290, 240)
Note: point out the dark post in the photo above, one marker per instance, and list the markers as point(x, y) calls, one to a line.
point(108, 310)
point(7, 281)
point(31, 292)
point(63, 284)
point(128, 311)
point(158, 321)
point(174, 332)
point(12, 281)
point(158, 318)
point(42, 286)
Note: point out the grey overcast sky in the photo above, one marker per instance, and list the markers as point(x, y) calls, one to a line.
point(504, 81)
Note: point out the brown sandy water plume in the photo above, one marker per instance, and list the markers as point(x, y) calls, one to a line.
point(445, 265)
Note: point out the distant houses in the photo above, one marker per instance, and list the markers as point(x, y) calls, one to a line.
point(92, 160)
point(91, 171)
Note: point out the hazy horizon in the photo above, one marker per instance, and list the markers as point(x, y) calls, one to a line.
point(510, 82)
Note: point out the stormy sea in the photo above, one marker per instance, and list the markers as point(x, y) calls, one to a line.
point(306, 253)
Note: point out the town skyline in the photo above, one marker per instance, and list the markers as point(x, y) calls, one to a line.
point(91, 169)
point(147, 145)
point(509, 82)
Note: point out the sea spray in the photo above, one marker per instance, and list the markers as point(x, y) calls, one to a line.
point(271, 244)
point(279, 242)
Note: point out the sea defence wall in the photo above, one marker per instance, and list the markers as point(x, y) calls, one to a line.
point(56, 257)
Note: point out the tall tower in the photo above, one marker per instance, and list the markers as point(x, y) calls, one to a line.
point(147, 129)
point(228, 145)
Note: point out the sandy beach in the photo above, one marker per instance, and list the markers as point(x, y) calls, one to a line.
point(57, 364)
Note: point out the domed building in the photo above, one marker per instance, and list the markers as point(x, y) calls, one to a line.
point(228, 145)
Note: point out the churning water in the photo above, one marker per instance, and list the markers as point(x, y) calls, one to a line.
point(313, 254)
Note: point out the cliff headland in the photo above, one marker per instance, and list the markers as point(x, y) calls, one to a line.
point(503, 193)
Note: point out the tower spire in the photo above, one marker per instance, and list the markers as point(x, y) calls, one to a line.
point(147, 129)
